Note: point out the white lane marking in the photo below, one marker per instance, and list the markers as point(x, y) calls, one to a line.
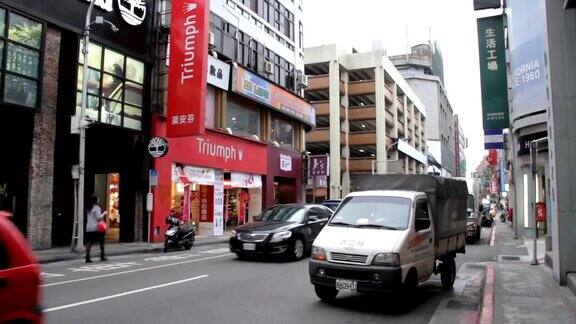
point(216, 251)
point(51, 275)
point(493, 239)
point(135, 270)
point(122, 294)
point(105, 266)
point(172, 257)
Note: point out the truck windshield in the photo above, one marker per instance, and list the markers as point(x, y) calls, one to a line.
point(471, 204)
point(374, 212)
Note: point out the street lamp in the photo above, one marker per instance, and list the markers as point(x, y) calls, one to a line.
point(78, 172)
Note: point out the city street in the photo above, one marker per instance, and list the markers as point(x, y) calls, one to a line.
point(210, 285)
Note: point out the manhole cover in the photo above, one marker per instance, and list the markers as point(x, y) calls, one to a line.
point(510, 258)
point(476, 266)
point(454, 304)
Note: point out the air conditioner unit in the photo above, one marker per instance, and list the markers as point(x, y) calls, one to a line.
point(211, 40)
point(301, 80)
point(268, 68)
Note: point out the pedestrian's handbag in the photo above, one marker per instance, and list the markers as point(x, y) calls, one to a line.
point(102, 227)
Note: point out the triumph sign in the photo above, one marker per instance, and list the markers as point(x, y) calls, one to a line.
point(187, 73)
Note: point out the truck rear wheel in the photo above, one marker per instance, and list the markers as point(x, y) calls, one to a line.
point(326, 293)
point(448, 274)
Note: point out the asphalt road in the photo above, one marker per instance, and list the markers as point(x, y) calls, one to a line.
point(209, 285)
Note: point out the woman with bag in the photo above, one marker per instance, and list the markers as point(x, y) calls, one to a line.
point(95, 228)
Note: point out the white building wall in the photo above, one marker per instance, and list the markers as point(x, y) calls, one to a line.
point(230, 11)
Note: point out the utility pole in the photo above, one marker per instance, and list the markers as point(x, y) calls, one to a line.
point(82, 123)
point(534, 166)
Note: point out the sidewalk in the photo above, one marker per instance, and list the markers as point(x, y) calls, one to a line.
point(525, 293)
point(507, 288)
point(113, 249)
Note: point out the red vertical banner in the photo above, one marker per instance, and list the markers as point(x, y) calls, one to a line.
point(188, 63)
point(492, 157)
point(206, 203)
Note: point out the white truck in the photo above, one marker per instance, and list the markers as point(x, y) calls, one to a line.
point(393, 233)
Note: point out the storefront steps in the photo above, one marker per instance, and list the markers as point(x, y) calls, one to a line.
point(114, 249)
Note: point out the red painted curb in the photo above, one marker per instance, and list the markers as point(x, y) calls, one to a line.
point(487, 311)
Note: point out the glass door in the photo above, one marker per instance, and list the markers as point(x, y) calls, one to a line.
point(107, 187)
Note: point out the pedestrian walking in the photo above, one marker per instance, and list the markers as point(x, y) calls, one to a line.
point(95, 228)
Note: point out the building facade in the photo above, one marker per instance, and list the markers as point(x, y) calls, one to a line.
point(460, 145)
point(559, 30)
point(250, 156)
point(41, 90)
point(368, 118)
point(422, 70)
point(528, 110)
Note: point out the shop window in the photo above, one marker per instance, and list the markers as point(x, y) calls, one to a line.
point(20, 54)
point(209, 119)
point(283, 132)
point(243, 120)
point(115, 87)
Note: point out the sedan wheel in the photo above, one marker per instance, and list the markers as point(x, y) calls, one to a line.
point(298, 249)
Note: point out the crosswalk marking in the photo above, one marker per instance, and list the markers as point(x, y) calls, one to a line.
point(105, 266)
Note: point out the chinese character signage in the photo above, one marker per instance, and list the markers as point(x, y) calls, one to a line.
point(259, 89)
point(187, 73)
point(218, 73)
point(319, 165)
point(493, 72)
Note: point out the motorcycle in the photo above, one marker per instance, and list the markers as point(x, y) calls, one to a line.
point(179, 234)
point(487, 218)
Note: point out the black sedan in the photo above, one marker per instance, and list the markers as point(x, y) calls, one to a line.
point(282, 229)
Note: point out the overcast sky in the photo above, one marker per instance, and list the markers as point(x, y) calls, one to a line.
point(452, 24)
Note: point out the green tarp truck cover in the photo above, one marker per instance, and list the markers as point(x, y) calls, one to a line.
point(447, 197)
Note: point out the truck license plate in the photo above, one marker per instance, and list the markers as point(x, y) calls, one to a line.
point(346, 285)
point(249, 246)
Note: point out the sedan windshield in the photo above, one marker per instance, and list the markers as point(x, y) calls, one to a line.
point(291, 214)
point(374, 212)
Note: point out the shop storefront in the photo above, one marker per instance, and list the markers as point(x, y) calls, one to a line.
point(283, 182)
point(214, 180)
point(41, 90)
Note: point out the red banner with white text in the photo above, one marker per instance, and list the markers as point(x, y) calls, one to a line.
point(187, 71)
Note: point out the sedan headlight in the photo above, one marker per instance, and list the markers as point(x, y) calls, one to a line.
point(318, 253)
point(386, 259)
point(281, 236)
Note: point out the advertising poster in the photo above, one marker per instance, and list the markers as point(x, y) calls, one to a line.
point(526, 57)
point(219, 203)
point(258, 88)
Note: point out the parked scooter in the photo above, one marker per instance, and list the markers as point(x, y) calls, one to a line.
point(179, 234)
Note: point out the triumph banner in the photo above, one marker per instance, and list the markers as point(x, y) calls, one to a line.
point(187, 72)
point(493, 73)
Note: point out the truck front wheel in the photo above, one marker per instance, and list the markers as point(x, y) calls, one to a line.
point(448, 274)
point(326, 293)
